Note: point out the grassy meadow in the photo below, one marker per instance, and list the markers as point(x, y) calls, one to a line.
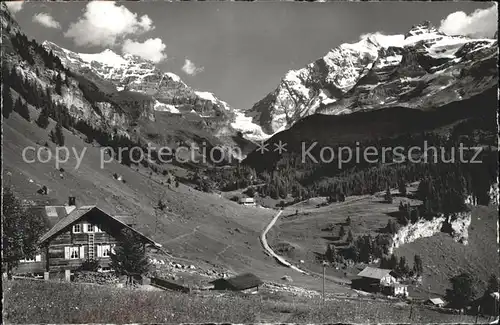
point(28, 301)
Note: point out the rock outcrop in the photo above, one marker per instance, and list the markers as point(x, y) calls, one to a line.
point(456, 224)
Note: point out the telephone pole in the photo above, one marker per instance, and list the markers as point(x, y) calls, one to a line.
point(324, 268)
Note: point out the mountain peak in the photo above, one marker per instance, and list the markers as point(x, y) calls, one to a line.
point(422, 68)
point(425, 27)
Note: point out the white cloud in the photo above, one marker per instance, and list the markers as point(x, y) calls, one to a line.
point(190, 68)
point(151, 49)
point(104, 22)
point(46, 20)
point(14, 6)
point(480, 23)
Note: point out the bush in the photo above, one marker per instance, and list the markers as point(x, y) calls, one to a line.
point(89, 265)
point(95, 277)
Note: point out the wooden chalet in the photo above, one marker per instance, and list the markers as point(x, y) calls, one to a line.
point(238, 283)
point(373, 279)
point(77, 235)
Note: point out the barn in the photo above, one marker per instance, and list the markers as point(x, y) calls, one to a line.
point(437, 302)
point(238, 283)
point(372, 279)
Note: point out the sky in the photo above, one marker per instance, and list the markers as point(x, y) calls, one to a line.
point(237, 50)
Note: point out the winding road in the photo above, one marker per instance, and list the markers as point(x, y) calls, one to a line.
point(269, 250)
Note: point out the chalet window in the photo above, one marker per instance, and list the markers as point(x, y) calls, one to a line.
point(73, 252)
point(97, 228)
point(36, 258)
point(89, 227)
point(77, 228)
point(103, 250)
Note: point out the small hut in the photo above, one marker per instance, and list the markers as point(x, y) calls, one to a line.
point(437, 302)
point(238, 283)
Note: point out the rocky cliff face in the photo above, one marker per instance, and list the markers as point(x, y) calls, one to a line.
point(456, 225)
point(168, 92)
point(422, 69)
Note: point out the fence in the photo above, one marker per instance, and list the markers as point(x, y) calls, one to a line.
point(165, 284)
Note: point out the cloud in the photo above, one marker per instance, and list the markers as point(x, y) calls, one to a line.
point(14, 6)
point(151, 49)
point(480, 23)
point(46, 20)
point(190, 68)
point(104, 22)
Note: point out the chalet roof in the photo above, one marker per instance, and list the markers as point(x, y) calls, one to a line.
point(128, 220)
point(76, 215)
point(436, 301)
point(242, 281)
point(374, 273)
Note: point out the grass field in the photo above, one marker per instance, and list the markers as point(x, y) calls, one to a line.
point(305, 235)
point(52, 302)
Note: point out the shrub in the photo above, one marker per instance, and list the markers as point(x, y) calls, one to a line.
point(89, 265)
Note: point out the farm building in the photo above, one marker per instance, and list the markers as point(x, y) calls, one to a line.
point(437, 302)
point(238, 283)
point(78, 234)
point(395, 289)
point(247, 201)
point(373, 279)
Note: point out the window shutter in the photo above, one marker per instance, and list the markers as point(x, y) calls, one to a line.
point(99, 251)
point(38, 258)
point(66, 253)
point(113, 249)
point(82, 252)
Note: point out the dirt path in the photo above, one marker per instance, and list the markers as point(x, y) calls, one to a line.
point(269, 250)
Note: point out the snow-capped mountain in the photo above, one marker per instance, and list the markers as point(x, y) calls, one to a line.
point(131, 73)
point(421, 69)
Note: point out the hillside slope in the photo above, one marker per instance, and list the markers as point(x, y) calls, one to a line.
point(199, 227)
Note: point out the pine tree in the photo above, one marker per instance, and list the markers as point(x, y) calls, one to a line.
point(388, 196)
point(129, 257)
point(57, 135)
point(43, 118)
point(418, 267)
point(392, 262)
point(493, 285)
point(22, 227)
point(348, 221)
point(58, 84)
point(331, 253)
point(402, 187)
point(462, 292)
point(22, 109)
point(7, 103)
point(402, 267)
